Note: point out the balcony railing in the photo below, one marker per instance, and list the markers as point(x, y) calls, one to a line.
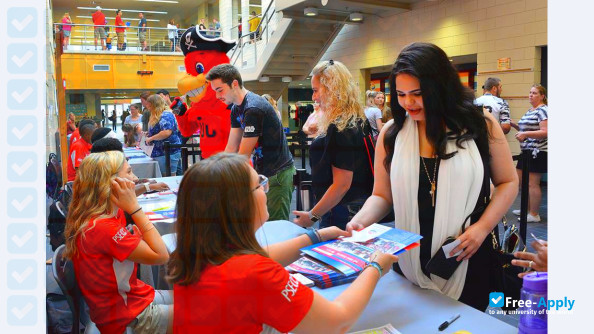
point(82, 38)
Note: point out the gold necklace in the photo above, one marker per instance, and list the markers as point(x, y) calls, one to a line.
point(433, 182)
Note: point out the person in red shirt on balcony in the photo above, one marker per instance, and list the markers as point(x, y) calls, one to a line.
point(120, 29)
point(99, 22)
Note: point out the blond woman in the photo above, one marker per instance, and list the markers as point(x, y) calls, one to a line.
point(341, 174)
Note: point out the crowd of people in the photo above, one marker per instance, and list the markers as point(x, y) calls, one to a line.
point(103, 38)
point(441, 166)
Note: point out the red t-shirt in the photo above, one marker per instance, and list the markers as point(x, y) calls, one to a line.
point(98, 18)
point(119, 23)
point(107, 280)
point(78, 151)
point(74, 137)
point(241, 296)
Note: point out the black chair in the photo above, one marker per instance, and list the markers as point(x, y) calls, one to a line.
point(63, 271)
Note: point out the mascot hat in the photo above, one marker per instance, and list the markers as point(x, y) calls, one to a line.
point(193, 40)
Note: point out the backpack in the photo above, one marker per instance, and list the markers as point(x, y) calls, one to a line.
point(56, 220)
point(369, 142)
point(53, 176)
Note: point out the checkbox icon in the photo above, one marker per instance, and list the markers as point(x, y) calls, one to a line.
point(21, 131)
point(21, 274)
point(22, 202)
point(22, 310)
point(22, 166)
point(22, 94)
point(496, 299)
point(21, 238)
point(22, 58)
point(22, 22)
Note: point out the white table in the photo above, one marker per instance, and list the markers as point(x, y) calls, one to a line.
point(395, 300)
point(142, 165)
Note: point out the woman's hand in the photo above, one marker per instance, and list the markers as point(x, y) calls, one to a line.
point(332, 232)
point(302, 218)
point(536, 261)
point(470, 241)
point(352, 226)
point(161, 186)
point(384, 260)
point(123, 194)
point(148, 140)
point(521, 136)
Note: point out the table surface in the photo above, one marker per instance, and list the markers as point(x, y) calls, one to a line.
point(395, 300)
point(142, 165)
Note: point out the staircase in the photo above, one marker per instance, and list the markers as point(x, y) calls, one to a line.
point(291, 49)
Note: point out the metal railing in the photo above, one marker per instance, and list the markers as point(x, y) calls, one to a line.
point(82, 38)
point(262, 33)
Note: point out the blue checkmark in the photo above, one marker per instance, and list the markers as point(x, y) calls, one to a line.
point(21, 310)
point(21, 238)
point(22, 166)
point(22, 58)
point(22, 22)
point(21, 130)
point(496, 299)
point(22, 94)
point(21, 274)
point(21, 202)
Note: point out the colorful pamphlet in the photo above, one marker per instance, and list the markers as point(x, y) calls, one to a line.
point(340, 261)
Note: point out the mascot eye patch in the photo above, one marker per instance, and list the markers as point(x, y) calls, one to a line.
point(199, 68)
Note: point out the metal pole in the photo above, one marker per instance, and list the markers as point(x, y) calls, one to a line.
point(167, 159)
point(525, 193)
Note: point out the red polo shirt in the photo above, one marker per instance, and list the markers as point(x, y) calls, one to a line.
point(78, 151)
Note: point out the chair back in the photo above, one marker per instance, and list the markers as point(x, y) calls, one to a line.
point(63, 271)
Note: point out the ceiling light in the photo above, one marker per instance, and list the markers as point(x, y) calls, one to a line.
point(356, 17)
point(164, 1)
point(264, 79)
point(310, 11)
point(125, 10)
point(287, 79)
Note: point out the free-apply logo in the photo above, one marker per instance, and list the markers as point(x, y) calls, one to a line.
point(496, 299)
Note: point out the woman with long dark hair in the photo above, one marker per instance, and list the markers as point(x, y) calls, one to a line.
point(225, 282)
point(434, 166)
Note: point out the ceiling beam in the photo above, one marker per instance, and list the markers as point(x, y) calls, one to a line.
point(381, 3)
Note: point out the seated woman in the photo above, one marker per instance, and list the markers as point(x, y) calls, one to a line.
point(239, 287)
point(104, 251)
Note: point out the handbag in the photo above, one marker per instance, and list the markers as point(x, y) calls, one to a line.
point(505, 275)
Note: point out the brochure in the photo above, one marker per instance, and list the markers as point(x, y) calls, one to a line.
point(340, 261)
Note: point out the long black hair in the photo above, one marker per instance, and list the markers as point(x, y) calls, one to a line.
point(447, 103)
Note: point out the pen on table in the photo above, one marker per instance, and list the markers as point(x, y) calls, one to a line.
point(537, 240)
point(449, 322)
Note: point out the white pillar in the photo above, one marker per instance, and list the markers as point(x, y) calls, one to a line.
point(226, 18)
point(234, 16)
point(245, 17)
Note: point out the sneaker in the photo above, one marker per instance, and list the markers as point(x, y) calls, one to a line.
point(516, 212)
point(532, 219)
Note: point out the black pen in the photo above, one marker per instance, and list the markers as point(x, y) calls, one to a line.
point(449, 322)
